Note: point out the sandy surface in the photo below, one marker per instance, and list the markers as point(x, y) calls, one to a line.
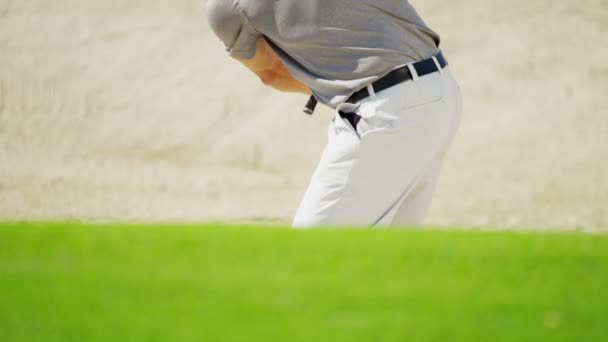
point(115, 110)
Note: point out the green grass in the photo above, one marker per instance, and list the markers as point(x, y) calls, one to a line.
point(72, 282)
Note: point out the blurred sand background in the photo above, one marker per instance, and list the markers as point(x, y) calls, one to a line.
point(131, 110)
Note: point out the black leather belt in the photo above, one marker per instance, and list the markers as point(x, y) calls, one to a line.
point(393, 78)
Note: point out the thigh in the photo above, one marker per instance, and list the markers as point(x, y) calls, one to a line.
point(415, 203)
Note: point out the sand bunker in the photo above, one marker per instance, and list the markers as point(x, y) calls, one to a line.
point(116, 111)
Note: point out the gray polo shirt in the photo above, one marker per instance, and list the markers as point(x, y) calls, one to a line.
point(335, 47)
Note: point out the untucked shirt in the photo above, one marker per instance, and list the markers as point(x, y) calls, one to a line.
point(335, 47)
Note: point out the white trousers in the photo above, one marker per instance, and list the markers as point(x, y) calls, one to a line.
point(384, 171)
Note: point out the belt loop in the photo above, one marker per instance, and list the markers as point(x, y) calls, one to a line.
point(437, 64)
point(412, 69)
point(371, 90)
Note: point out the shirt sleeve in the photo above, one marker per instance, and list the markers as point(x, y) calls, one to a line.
point(233, 28)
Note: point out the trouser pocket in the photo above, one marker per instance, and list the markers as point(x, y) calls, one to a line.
point(346, 118)
point(352, 118)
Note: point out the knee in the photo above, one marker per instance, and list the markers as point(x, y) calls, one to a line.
point(304, 220)
point(308, 220)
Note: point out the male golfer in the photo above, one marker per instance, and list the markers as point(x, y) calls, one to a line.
point(397, 105)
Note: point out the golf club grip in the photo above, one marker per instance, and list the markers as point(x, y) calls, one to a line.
point(310, 105)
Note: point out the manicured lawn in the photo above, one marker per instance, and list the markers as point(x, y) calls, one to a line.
point(74, 282)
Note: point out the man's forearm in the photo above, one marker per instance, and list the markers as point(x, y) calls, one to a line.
point(283, 81)
point(272, 72)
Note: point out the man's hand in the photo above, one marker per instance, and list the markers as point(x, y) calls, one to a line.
point(271, 71)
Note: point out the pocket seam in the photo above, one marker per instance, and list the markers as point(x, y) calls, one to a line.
point(434, 100)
